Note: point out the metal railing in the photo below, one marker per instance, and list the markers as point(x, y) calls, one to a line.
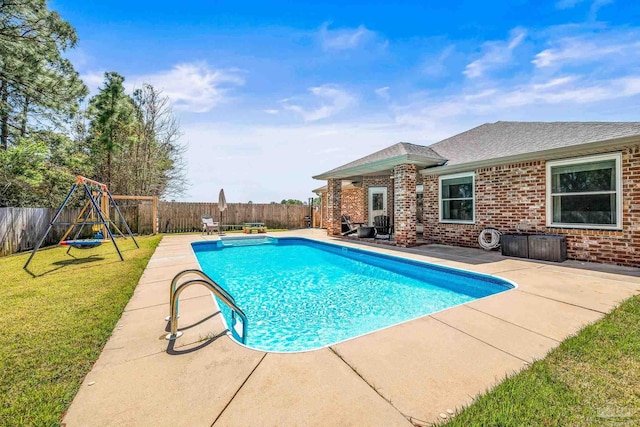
point(206, 281)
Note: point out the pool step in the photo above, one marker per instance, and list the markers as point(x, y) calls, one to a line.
point(248, 241)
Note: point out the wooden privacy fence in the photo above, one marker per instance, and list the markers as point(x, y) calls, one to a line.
point(179, 217)
point(21, 228)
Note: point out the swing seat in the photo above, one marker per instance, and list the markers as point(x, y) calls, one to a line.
point(82, 244)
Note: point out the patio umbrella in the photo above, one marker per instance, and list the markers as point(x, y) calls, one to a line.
point(222, 205)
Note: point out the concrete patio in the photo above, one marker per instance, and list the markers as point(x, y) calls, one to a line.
point(404, 375)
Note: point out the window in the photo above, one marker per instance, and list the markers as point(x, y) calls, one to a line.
point(457, 198)
point(585, 192)
point(377, 201)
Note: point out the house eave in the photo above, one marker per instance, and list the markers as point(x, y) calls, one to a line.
point(556, 153)
point(379, 166)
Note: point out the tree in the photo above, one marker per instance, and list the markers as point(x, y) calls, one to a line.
point(38, 87)
point(135, 140)
point(291, 202)
point(22, 167)
point(111, 126)
point(39, 170)
point(130, 143)
point(158, 152)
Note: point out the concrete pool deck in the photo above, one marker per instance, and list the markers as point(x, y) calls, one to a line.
point(403, 375)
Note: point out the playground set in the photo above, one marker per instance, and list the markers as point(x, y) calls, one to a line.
point(94, 213)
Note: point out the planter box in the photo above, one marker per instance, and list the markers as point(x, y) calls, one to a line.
point(548, 247)
point(516, 245)
point(364, 232)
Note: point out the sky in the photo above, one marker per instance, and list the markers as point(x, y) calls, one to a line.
point(270, 93)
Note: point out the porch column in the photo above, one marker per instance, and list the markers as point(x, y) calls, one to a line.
point(404, 207)
point(334, 207)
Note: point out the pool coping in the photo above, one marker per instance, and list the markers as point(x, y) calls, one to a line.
point(368, 380)
point(370, 252)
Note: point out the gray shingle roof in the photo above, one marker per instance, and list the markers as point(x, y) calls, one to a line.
point(401, 149)
point(487, 142)
point(505, 139)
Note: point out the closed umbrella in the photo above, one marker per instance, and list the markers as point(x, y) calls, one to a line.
point(222, 205)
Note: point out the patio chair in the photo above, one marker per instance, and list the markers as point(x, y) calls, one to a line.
point(384, 229)
point(209, 225)
point(348, 227)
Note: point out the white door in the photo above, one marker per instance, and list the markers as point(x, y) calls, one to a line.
point(377, 202)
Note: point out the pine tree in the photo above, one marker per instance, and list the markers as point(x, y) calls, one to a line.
point(111, 128)
point(38, 87)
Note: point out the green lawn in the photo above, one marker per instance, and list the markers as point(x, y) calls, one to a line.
point(591, 379)
point(55, 320)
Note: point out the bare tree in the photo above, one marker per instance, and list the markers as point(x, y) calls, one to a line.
point(159, 167)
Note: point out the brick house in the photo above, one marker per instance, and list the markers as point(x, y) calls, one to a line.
point(574, 178)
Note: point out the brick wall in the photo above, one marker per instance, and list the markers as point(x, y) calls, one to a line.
point(506, 195)
point(405, 205)
point(323, 208)
point(334, 207)
point(353, 203)
point(378, 181)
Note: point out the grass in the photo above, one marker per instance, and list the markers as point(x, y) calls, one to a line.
point(591, 379)
point(55, 321)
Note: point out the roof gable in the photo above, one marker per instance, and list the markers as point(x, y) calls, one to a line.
point(402, 152)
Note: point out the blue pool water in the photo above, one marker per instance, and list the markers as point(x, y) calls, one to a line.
point(299, 294)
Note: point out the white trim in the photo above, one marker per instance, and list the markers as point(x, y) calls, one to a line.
point(587, 159)
point(473, 199)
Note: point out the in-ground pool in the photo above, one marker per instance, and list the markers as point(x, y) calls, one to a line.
point(299, 294)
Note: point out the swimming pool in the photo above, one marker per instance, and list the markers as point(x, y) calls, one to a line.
point(299, 294)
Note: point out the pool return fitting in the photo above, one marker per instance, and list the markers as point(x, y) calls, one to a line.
point(206, 281)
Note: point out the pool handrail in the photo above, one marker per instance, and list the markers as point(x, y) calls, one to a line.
point(210, 284)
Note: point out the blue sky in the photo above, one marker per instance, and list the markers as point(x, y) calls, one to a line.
point(270, 93)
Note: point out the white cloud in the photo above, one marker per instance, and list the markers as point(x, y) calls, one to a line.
point(296, 152)
point(383, 92)
point(561, 94)
point(332, 100)
point(193, 87)
point(595, 8)
point(345, 38)
point(496, 53)
point(589, 48)
point(560, 81)
point(435, 66)
point(271, 111)
point(93, 80)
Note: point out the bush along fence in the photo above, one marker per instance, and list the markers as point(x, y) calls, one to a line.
point(20, 228)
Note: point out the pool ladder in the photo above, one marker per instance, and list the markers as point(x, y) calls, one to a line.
point(206, 281)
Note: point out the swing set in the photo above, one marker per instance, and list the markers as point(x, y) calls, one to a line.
point(94, 213)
